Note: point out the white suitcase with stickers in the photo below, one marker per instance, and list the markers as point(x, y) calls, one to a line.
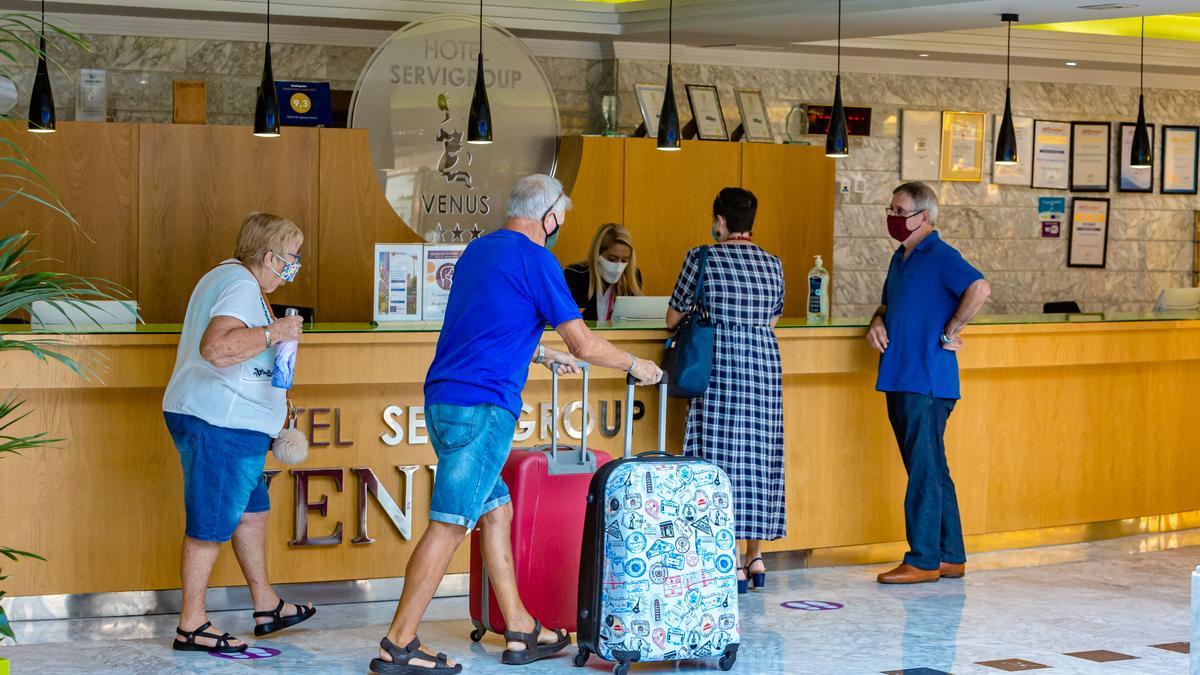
point(658, 578)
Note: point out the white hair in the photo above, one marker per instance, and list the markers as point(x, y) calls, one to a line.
point(533, 196)
point(923, 196)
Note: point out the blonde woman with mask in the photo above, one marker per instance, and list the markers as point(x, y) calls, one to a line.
point(610, 271)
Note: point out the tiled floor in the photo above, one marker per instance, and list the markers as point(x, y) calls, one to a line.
point(1060, 609)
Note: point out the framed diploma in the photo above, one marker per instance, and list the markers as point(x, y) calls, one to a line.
point(1179, 160)
point(1090, 144)
point(962, 146)
point(1131, 179)
point(397, 284)
point(706, 111)
point(650, 99)
point(1020, 173)
point(1051, 150)
point(920, 144)
point(1089, 233)
point(755, 122)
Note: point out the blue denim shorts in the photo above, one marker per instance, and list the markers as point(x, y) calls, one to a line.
point(472, 444)
point(222, 475)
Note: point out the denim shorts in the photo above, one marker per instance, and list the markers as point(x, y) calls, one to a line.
point(222, 475)
point(472, 444)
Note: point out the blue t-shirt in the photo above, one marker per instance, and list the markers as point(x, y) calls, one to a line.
point(506, 289)
point(921, 295)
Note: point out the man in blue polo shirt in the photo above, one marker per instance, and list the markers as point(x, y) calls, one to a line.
point(930, 294)
point(507, 288)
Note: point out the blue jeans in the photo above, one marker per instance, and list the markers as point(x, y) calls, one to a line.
point(222, 475)
point(472, 444)
point(931, 520)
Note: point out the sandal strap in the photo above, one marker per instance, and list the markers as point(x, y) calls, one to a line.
point(276, 613)
point(190, 636)
point(530, 639)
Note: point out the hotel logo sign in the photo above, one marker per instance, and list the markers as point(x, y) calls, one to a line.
point(413, 99)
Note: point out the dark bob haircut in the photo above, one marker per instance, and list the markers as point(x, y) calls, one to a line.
point(738, 206)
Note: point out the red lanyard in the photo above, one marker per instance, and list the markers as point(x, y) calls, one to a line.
point(611, 299)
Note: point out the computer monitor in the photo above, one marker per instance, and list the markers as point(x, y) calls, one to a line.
point(1177, 299)
point(634, 307)
point(83, 315)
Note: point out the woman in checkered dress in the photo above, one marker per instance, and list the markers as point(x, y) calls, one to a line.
point(738, 423)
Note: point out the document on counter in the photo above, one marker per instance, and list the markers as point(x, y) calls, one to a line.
point(397, 295)
point(440, 261)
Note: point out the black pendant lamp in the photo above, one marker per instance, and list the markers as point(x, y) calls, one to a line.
point(837, 141)
point(668, 119)
point(1141, 150)
point(41, 101)
point(479, 123)
point(266, 108)
point(1006, 141)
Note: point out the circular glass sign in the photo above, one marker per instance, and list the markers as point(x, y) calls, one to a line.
point(413, 99)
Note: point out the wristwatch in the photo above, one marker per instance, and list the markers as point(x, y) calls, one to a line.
point(541, 357)
point(632, 364)
point(267, 335)
point(946, 340)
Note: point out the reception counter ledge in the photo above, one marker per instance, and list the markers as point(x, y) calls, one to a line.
point(1064, 421)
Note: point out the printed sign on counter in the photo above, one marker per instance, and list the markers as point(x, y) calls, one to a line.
point(397, 285)
point(440, 261)
point(304, 104)
point(1051, 211)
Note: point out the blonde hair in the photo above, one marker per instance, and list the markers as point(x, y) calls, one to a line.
point(262, 232)
point(606, 236)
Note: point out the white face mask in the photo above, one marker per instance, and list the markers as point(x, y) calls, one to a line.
point(609, 270)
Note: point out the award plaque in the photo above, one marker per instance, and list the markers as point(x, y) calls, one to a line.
point(650, 101)
point(1089, 233)
point(1179, 160)
point(1090, 146)
point(706, 112)
point(1051, 150)
point(962, 146)
point(755, 122)
point(920, 144)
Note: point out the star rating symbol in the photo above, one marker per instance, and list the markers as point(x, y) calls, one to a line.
point(476, 232)
point(457, 232)
point(439, 234)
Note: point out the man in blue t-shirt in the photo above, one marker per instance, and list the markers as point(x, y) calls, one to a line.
point(930, 294)
point(507, 288)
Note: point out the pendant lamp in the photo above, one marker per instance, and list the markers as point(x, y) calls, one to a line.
point(668, 119)
point(41, 101)
point(266, 108)
point(837, 142)
point(479, 123)
point(1006, 140)
point(1141, 150)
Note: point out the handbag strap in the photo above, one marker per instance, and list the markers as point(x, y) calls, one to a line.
point(698, 294)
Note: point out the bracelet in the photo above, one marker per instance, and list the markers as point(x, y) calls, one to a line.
point(632, 364)
point(267, 335)
point(541, 356)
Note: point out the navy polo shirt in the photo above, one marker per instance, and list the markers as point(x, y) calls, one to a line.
point(921, 295)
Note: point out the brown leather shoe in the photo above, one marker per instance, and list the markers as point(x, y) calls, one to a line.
point(907, 574)
point(952, 570)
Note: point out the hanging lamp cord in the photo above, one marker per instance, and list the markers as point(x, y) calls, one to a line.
point(268, 21)
point(670, 30)
point(1142, 61)
point(839, 44)
point(481, 26)
point(1008, 60)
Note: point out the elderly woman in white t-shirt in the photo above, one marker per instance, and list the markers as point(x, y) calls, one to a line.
point(222, 413)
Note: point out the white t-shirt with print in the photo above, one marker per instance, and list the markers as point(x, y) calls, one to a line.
point(237, 397)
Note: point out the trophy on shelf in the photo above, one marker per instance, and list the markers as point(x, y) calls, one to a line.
point(610, 109)
point(797, 124)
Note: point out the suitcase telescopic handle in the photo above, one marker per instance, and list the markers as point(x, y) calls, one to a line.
point(630, 383)
point(586, 368)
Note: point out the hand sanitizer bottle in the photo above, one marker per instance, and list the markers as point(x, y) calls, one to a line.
point(818, 293)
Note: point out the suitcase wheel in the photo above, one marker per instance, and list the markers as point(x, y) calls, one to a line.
point(621, 669)
point(727, 661)
point(581, 658)
point(478, 633)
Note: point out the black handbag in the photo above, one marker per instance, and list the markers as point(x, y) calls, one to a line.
point(688, 359)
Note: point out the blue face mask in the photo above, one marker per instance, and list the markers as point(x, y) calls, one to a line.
point(290, 269)
point(552, 237)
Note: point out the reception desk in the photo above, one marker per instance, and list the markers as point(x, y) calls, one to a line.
point(1064, 420)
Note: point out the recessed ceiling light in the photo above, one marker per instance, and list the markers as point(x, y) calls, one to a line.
point(1072, 64)
point(923, 55)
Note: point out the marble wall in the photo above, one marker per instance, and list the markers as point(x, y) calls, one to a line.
point(995, 227)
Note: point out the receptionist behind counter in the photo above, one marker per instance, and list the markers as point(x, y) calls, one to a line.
point(610, 270)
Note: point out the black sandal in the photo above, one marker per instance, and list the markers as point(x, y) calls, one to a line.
point(401, 658)
point(278, 622)
point(221, 647)
point(534, 650)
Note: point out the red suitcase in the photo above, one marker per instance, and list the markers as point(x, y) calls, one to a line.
point(549, 495)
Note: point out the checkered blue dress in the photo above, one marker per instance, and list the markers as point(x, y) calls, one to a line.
point(738, 423)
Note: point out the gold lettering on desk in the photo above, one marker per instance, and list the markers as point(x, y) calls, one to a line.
point(393, 420)
point(368, 484)
point(314, 425)
point(303, 506)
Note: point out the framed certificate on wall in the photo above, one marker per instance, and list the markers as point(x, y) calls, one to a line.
point(1051, 148)
point(920, 144)
point(650, 99)
point(706, 111)
point(1089, 233)
point(755, 122)
point(1179, 160)
point(1090, 143)
point(1130, 179)
point(962, 146)
point(1020, 173)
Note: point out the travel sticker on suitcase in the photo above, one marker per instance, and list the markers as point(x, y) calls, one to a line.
point(669, 589)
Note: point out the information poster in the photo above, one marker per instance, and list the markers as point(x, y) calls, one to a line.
point(439, 264)
point(1090, 145)
point(1179, 160)
point(1051, 154)
point(1089, 233)
point(397, 284)
point(921, 144)
point(91, 103)
point(1020, 173)
point(1051, 212)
